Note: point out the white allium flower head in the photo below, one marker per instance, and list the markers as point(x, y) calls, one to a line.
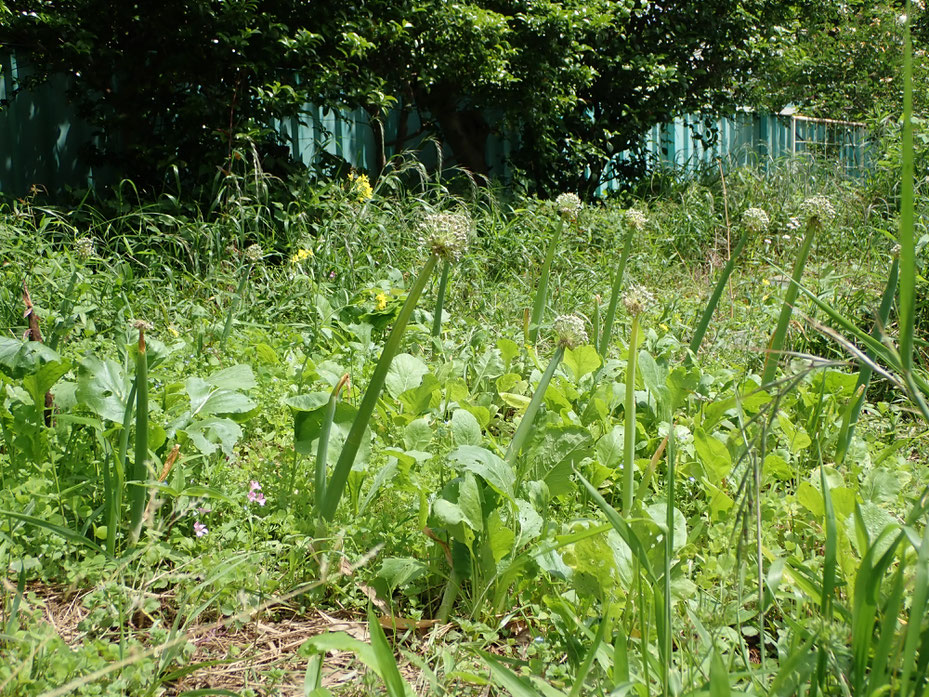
point(254, 253)
point(635, 219)
point(569, 331)
point(568, 205)
point(818, 207)
point(446, 234)
point(84, 247)
point(637, 300)
point(755, 220)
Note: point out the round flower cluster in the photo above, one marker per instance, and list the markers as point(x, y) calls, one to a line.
point(568, 205)
point(755, 220)
point(635, 219)
point(84, 247)
point(446, 234)
point(637, 300)
point(818, 207)
point(254, 253)
point(569, 330)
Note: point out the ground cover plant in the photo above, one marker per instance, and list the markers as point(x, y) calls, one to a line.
point(417, 436)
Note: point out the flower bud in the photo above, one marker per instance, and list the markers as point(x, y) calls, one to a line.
point(446, 234)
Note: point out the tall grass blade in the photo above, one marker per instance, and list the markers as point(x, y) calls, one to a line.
point(790, 298)
point(396, 687)
point(584, 668)
point(917, 614)
point(907, 300)
point(343, 466)
point(865, 372)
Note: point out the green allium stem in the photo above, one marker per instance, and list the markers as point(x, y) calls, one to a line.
point(629, 407)
point(717, 293)
point(541, 294)
point(139, 470)
point(780, 331)
point(440, 303)
point(614, 297)
point(343, 466)
point(322, 450)
point(525, 424)
point(449, 597)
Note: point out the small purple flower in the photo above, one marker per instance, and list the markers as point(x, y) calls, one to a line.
point(332, 274)
point(254, 486)
point(200, 529)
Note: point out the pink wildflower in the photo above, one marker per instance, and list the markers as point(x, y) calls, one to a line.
point(254, 493)
point(200, 529)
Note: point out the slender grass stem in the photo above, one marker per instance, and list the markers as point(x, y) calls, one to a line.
point(234, 307)
point(322, 450)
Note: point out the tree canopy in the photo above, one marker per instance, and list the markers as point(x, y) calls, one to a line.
point(573, 83)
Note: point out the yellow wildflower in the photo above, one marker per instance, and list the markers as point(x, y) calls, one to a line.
point(301, 255)
point(381, 301)
point(360, 186)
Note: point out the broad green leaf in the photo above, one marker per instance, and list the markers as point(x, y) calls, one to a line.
point(399, 571)
point(500, 536)
point(508, 349)
point(308, 402)
point(420, 399)
point(104, 387)
point(20, 358)
point(490, 467)
point(530, 522)
point(465, 429)
point(654, 376)
point(417, 435)
point(236, 377)
point(212, 433)
point(406, 372)
point(308, 426)
point(658, 513)
point(42, 380)
point(582, 361)
point(469, 501)
point(610, 447)
point(207, 400)
point(811, 499)
point(796, 437)
point(713, 454)
point(518, 401)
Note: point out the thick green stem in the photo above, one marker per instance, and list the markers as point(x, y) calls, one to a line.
point(449, 597)
point(440, 303)
point(629, 406)
point(322, 450)
point(139, 471)
point(783, 321)
point(353, 441)
point(525, 424)
point(614, 297)
point(541, 294)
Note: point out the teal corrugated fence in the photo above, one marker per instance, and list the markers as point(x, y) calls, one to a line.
point(43, 143)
